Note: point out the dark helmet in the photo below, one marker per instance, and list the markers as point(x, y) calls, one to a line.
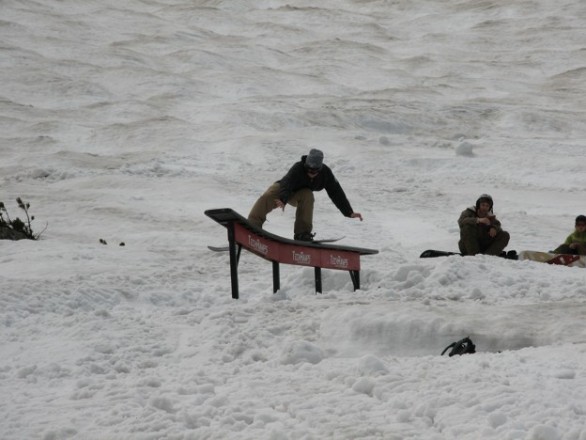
point(581, 219)
point(484, 198)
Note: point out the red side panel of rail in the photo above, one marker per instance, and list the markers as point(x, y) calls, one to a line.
point(296, 254)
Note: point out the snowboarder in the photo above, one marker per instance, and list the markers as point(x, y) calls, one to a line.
point(480, 231)
point(576, 241)
point(296, 188)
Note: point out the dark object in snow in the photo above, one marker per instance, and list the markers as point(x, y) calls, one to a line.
point(461, 347)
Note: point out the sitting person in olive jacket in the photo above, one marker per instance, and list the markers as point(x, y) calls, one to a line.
point(576, 241)
point(480, 231)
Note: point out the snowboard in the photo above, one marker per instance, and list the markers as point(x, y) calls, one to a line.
point(433, 253)
point(322, 241)
point(551, 258)
point(219, 248)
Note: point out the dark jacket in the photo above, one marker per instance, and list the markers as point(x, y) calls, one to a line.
point(469, 216)
point(297, 178)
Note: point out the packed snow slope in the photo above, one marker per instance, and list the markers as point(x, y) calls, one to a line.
point(125, 121)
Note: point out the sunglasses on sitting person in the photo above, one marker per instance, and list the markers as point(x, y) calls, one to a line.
point(580, 224)
point(312, 170)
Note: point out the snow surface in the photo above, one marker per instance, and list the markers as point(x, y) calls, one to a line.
point(125, 121)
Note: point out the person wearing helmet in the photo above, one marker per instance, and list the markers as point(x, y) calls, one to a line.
point(480, 231)
point(296, 189)
point(576, 241)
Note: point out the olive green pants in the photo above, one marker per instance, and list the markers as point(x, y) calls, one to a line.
point(303, 200)
point(474, 239)
point(566, 249)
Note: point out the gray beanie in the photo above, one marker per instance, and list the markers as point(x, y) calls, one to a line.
point(314, 159)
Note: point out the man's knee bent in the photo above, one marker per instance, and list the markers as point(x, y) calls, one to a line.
point(264, 205)
point(469, 231)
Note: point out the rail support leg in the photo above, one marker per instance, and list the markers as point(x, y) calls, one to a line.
point(318, 279)
point(234, 257)
point(355, 275)
point(276, 277)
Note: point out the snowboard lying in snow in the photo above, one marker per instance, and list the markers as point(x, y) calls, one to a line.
point(551, 258)
point(433, 253)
